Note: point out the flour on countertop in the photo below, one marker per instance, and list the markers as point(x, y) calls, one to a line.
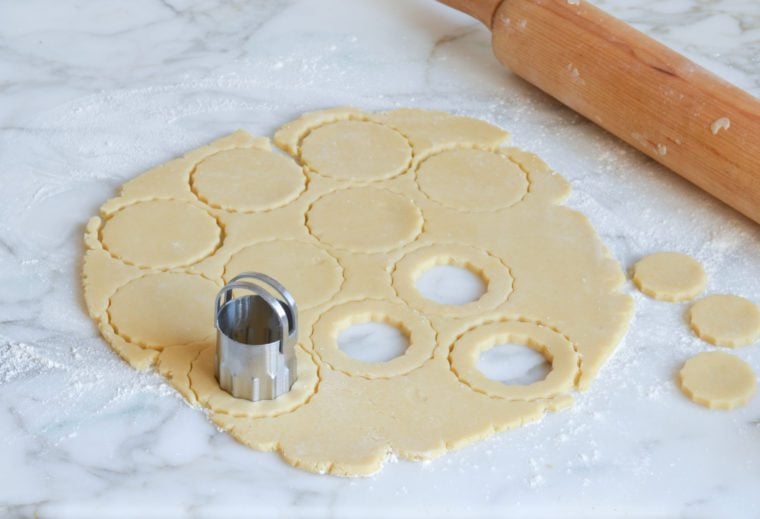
point(18, 359)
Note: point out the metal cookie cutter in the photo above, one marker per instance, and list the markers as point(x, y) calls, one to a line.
point(256, 337)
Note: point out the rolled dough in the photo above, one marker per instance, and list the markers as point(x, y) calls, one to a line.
point(366, 204)
point(669, 276)
point(725, 320)
point(717, 380)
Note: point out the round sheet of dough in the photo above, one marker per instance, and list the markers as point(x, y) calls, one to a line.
point(669, 276)
point(364, 219)
point(725, 320)
point(417, 329)
point(343, 246)
point(247, 179)
point(309, 272)
point(357, 150)
point(557, 350)
point(717, 380)
point(164, 309)
point(161, 234)
point(472, 179)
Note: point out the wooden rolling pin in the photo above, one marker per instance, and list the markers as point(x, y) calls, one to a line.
point(686, 118)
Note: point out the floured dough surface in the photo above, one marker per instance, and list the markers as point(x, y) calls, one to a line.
point(725, 320)
point(363, 205)
point(669, 276)
point(717, 380)
point(247, 179)
point(187, 233)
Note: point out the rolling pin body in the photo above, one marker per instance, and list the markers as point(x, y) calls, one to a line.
point(655, 99)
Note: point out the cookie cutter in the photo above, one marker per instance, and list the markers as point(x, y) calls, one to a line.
point(256, 336)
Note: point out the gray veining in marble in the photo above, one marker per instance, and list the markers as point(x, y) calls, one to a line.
point(94, 92)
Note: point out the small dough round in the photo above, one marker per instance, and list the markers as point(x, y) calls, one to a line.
point(247, 180)
point(669, 276)
point(164, 309)
point(309, 272)
point(556, 348)
point(725, 320)
point(717, 380)
point(421, 337)
point(356, 150)
point(364, 219)
point(161, 234)
point(472, 179)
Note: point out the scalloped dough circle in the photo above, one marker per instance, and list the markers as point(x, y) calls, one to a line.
point(472, 179)
point(164, 309)
point(495, 276)
point(669, 276)
point(186, 234)
point(247, 180)
point(364, 219)
point(348, 238)
point(309, 272)
point(417, 329)
point(725, 320)
point(717, 380)
point(556, 348)
point(356, 150)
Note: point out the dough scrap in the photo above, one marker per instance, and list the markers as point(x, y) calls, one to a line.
point(350, 244)
point(669, 276)
point(725, 320)
point(717, 380)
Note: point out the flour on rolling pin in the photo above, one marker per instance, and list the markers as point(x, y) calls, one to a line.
point(724, 123)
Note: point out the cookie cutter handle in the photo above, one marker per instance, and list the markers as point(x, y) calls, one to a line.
point(278, 288)
point(225, 295)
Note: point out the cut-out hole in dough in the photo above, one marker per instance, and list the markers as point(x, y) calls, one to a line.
point(451, 279)
point(417, 329)
point(450, 285)
point(373, 342)
point(466, 354)
point(514, 364)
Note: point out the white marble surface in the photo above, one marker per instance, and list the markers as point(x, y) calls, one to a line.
point(94, 92)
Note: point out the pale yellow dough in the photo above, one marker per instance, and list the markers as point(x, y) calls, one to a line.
point(456, 178)
point(669, 276)
point(366, 204)
point(725, 320)
point(356, 150)
point(187, 234)
point(247, 179)
point(717, 380)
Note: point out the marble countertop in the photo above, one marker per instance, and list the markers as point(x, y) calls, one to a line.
point(93, 93)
